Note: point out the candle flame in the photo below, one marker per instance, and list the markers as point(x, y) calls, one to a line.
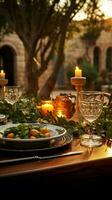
point(60, 114)
point(77, 67)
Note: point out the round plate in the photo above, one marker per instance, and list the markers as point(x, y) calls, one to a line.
point(55, 131)
point(54, 145)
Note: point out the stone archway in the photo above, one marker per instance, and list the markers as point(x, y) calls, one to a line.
point(15, 50)
point(109, 59)
point(8, 57)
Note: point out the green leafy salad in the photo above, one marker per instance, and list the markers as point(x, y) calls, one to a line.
point(26, 131)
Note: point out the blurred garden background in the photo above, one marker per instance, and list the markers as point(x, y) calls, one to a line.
point(42, 41)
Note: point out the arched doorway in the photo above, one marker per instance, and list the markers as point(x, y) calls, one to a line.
point(8, 57)
point(96, 58)
point(109, 59)
point(60, 78)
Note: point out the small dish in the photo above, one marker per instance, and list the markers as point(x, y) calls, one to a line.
point(56, 132)
point(54, 146)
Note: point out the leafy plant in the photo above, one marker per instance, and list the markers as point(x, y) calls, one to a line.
point(104, 123)
point(89, 71)
point(91, 34)
point(27, 111)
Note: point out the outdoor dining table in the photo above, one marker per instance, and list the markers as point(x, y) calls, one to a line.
point(93, 165)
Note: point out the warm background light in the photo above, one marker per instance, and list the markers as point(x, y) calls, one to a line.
point(109, 151)
point(105, 6)
point(60, 113)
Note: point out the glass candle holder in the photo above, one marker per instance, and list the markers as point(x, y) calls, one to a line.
point(46, 106)
point(62, 106)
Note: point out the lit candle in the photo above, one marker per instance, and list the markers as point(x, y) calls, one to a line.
point(78, 72)
point(2, 74)
point(60, 113)
point(47, 106)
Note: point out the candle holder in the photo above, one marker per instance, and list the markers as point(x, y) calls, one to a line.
point(46, 107)
point(3, 82)
point(62, 106)
point(78, 83)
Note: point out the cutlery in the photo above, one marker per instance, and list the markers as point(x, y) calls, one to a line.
point(32, 158)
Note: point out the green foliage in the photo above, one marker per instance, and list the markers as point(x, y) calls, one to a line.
point(70, 125)
point(104, 123)
point(88, 70)
point(24, 110)
point(91, 34)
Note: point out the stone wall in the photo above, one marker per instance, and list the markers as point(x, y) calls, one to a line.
point(14, 42)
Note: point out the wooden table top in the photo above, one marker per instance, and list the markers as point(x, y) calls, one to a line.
point(95, 158)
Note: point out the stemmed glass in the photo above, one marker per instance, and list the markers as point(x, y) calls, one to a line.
point(91, 106)
point(12, 94)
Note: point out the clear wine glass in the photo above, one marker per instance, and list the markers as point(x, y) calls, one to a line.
point(12, 94)
point(91, 106)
